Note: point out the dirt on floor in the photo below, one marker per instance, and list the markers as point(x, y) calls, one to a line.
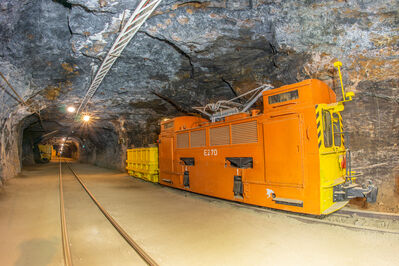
point(387, 199)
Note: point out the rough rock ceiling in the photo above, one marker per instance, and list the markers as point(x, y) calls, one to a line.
point(191, 52)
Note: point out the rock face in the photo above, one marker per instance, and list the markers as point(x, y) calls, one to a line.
point(189, 53)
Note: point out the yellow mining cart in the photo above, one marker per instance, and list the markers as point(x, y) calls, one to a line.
point(143, 163)
point(53, 154)
point(45, 152)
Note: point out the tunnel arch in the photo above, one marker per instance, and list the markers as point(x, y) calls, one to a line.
point(98, 142)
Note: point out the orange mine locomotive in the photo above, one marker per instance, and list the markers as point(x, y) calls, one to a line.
point(290, 157)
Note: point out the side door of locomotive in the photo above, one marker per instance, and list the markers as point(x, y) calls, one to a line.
point(284, 151)
point(166, 156)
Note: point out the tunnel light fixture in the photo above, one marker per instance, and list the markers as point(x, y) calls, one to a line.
point(86, 118)
point(71, 109)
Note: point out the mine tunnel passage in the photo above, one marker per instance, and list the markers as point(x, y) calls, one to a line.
point(165, 220)
point(45, 138)
point(45, 141)
point(162, 115)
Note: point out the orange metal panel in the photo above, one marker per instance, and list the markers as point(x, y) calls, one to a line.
point(166, 157)
point(284, 151)
point(282, 141)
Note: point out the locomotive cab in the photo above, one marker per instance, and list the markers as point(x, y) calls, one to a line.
point(335, 160)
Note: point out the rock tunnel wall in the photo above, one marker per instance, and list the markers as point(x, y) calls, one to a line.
point(190, 53)
point(10, 143)
point(27, 157)
point(105, 148)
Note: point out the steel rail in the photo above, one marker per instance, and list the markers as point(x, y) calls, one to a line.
point(307, 218)
point(369, 214)
point(298, 216)
point(147, 258)
point(350, 226)
point(65, 242)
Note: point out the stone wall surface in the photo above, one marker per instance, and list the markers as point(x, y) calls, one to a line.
point(189, 53)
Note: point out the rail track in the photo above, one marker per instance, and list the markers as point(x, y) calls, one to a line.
point(65, 239)
point(347, 218)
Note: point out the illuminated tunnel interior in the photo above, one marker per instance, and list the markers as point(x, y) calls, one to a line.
point(172, 65)
point(286, 105)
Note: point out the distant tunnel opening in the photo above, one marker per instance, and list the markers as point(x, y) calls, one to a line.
point(98, 142)
point(39, 149)
point(45, 141)
point(65, 148)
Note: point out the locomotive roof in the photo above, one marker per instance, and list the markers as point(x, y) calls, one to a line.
point(307, 92)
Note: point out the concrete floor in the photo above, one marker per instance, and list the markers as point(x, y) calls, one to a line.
point(175, 227)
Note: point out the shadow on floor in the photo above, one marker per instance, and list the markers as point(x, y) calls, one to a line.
point(37, 252)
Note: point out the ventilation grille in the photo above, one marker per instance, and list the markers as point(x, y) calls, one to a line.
point(244, 133)
point(219, 136)
point(182, 140)
point(198, 138)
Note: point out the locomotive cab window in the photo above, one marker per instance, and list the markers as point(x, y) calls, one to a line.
point(168, 125)
point(337, 130)
point(327, 129)
point(283, 97)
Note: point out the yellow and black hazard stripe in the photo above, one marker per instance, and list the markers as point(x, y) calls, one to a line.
point(319, 125)
point(341, 129)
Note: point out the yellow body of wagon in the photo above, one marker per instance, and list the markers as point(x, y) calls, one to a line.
point(143, 163)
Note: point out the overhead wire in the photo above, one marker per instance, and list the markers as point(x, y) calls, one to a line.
point(140, 15)
point(127, 32)
point(22, 101)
